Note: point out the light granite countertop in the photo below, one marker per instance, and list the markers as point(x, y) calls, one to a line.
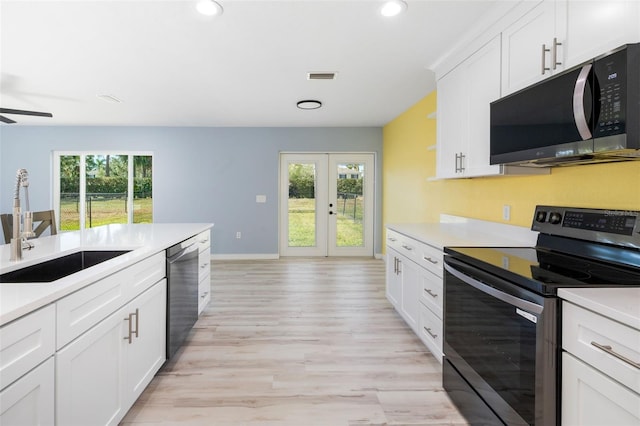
point(143, 240)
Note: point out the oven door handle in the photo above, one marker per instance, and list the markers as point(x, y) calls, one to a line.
point(505, 297)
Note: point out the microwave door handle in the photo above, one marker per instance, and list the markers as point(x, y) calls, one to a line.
point(500, 295)
point(578, 103)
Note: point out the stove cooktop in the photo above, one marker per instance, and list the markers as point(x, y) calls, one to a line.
point(544, 271)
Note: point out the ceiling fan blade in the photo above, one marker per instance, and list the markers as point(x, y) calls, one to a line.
point(6, 120)
point(23, 112)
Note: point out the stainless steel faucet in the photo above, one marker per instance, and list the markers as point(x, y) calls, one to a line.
point(19, 240)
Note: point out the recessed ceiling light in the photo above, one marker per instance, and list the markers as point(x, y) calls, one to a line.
point(309, 104)
point(393, 7)
point(209, 7)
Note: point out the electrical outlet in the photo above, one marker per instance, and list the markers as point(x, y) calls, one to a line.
point(506, 212)
point(238, 235)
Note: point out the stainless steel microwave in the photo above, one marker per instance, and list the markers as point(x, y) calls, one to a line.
point(590, 113)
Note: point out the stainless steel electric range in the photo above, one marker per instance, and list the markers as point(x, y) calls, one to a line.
point(502, 314)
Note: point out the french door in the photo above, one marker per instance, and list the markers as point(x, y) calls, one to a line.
point(326, 204)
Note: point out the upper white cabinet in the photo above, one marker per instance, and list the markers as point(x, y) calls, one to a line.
point(532, 48)
point(595, 27)
point(559, 34)
point(464, 95)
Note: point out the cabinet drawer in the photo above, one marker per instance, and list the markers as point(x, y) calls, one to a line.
point(394, 239)
point(83, 309)
point(204, 294)
point(26, 342)
point(431, 292)
point(204, 240)
point(590, 337)
point(204, 265)
point(430, 331)
point(30, 400)
point(430, 258)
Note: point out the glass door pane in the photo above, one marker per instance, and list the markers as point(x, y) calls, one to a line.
point(142, 189)
point(302, 205)
point(107, 186)
point(350, 224)
point(69, 193)
point(349, 207)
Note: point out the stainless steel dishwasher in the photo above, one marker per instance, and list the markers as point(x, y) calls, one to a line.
point(182, 293)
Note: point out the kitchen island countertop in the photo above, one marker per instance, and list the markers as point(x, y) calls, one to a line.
point(143, 240)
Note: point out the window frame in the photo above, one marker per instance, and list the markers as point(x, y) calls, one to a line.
point(55, 179)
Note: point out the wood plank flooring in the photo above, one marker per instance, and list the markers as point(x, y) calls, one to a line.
point(300, 342)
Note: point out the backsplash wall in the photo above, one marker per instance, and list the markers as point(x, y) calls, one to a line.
point(408, 195)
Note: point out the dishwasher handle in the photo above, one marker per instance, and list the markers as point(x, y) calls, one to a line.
point(175, 253)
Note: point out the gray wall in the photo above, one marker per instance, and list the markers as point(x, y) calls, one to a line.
point(200, 174)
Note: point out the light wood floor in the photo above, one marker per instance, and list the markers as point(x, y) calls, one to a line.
point(299, 342)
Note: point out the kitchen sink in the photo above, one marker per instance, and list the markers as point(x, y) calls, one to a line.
point(54, 269)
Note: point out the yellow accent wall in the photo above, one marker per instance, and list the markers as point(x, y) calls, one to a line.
point(408, 196)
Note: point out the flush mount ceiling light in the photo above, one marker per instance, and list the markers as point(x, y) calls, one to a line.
point(393, 7)
point(309, 104)
point(209, 7)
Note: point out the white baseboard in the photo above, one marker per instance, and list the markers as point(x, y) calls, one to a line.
point(241, 256)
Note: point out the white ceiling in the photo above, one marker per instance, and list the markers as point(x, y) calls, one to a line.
point(247, 67)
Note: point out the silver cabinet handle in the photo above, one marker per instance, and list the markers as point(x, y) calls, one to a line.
point(578, 103)
point(428, 259)
point(428, 330)
point(554, 53)
point(544, 54)
point(432, 294)
point(137, 314)
point(399, 271)
point(391, 239)
point(611, 352)
point(130, 336)
point(406, 247)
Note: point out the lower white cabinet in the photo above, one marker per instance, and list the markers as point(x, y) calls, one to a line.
point(590, 398)
point(414, 287)
point(30, 400)
point(204, 269)
point(100, 374)
point(600, 374)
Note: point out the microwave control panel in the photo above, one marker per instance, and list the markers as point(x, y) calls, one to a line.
point(611, 78)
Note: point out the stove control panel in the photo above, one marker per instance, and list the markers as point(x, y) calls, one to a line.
point(620, 227)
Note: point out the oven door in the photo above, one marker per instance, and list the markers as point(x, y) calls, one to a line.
point(501, 339)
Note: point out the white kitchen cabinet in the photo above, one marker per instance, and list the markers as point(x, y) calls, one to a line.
point(26, 369)
point(464, 98)
point(596, 27)
point(600, 374)
point(146, 350)
point(414, 287)
point(393, 283)
point(559, 34)
point(100, 374)
point(591, 398)
point(30, 400)
point(528, 48)
point(204, 269)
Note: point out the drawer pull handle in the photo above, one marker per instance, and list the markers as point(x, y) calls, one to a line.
point(432, 294)
point(428, 259)
point(391, 239)
point(428, 330)
point(406, 247)
point(610, 351)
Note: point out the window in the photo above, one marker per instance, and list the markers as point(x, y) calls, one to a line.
point(93, 189)
point(354, 176)
point(342, 175)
